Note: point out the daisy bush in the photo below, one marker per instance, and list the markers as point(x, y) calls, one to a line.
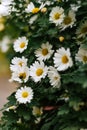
point(49, 65)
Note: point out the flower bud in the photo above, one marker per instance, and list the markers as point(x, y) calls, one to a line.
point(43, 10)
point(61, 38)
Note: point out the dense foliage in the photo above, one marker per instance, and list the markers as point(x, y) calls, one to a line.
point(50, 64)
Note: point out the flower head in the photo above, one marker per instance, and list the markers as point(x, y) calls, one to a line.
point(57, 15)
point(18, 62)
point(20, 74)
point(44, 52)
point(20, 44)
point(69, 20)
point(38, 71)
point(24, 95)
point(81, 56)
point(62, 59)
point(32, 9)
point(82, 30)
point(54, 77)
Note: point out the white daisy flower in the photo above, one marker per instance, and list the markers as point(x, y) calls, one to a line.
point(81, 56)
point(38, 71)
point(54, 77)
point(4, 10)
point(18, 62)
point(62, 59)
point(32, 9)
point(82, 30)
point(5, 44)
point(69, 20)
point(44, 52)
point(24, 95)
point(20, 75)
point(57, 15)
point(20, 44)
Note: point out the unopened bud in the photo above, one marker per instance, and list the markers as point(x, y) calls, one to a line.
point(43, 10)
point(61, 38)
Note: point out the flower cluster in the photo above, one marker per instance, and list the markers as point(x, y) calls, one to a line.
point(50, 64)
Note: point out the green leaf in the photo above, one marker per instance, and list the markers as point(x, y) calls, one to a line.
point(74, 101)
point(46, 126)
point(24, 112)
point(63, 110)
point(11, 117)
point(83, 116)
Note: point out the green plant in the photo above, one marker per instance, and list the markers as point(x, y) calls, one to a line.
point(50, 64)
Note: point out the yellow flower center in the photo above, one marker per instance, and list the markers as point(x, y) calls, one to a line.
point(25, 94)
point(55, 78)
point(45, 51)
point(84, 30)
point(22, 75)
point(67, 20)
point(65, 59)
point(39, 72)
point(85, 58)
point(22, 45)
point(21, 63)
point(35, 10)
point(57, 16)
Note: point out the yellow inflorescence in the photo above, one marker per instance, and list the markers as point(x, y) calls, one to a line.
point(25, 94)
point(22, 45)
point(39, 72)
point(35, 10)
point(45, 51)
point(64, 59)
